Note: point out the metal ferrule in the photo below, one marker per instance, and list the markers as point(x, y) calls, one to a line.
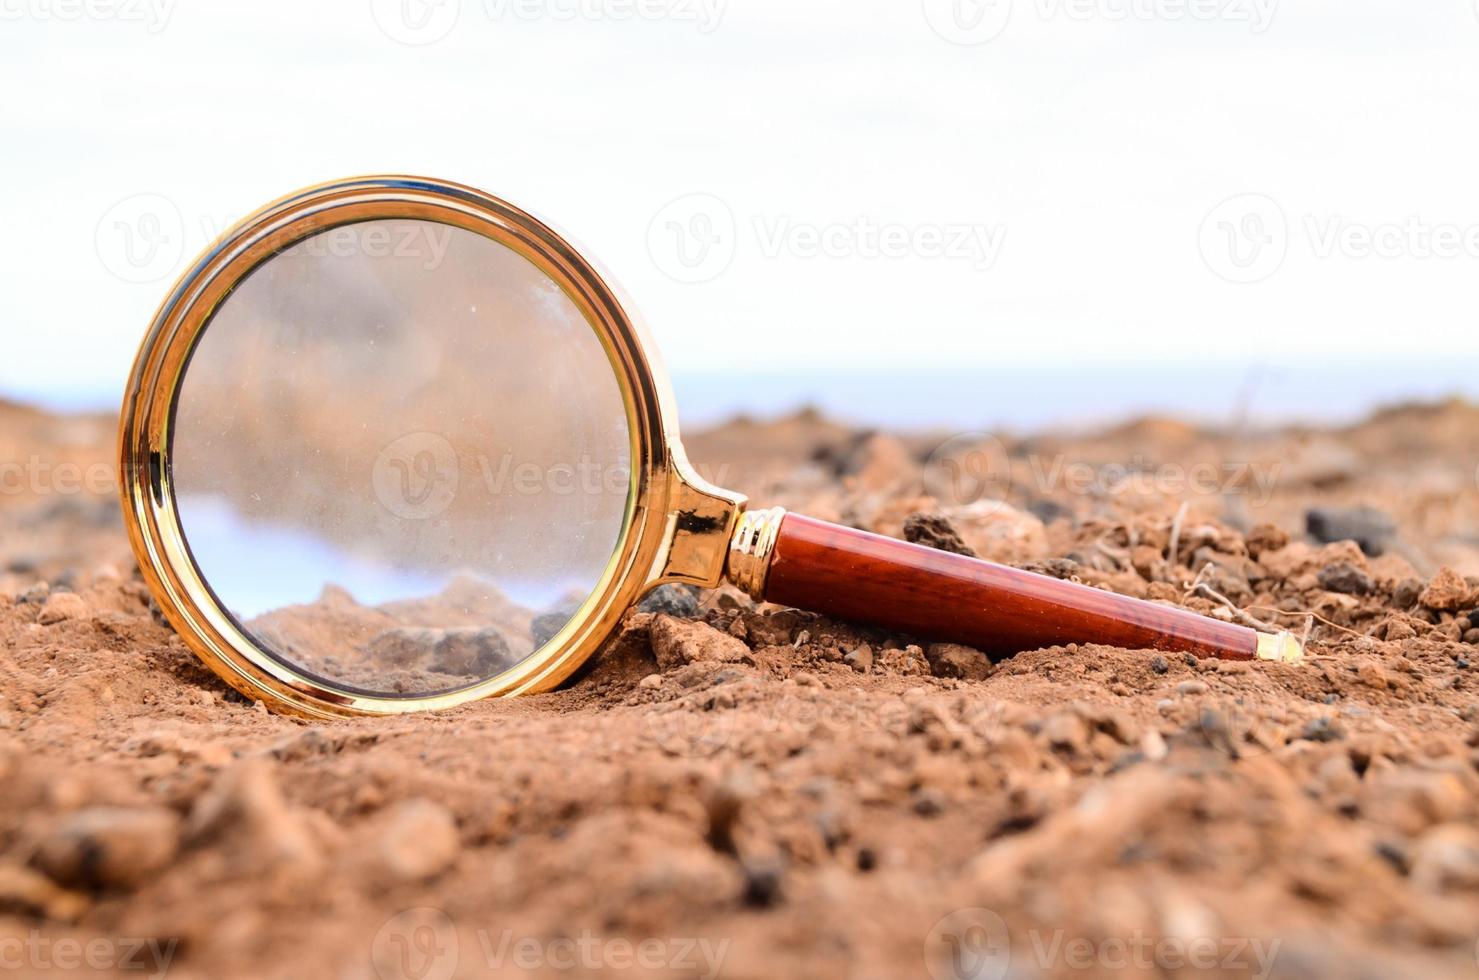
point(751, 548)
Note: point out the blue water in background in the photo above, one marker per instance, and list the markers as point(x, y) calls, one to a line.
point(1033, 397)
point(1026, 398)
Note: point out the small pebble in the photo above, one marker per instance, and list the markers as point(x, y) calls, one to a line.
point(1191, 687)
point(1158, 664)
point(929, 803)
point(1322, 730)
point(1345, 578)
point(651, 681)
point(860, 659)
point(675, 600)
point(419, 840)
point(762, 882)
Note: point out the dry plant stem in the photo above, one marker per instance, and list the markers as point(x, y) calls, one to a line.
point(1207, 592)
point(1176, 534)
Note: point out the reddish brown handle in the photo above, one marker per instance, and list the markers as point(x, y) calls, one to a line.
point(871, 579)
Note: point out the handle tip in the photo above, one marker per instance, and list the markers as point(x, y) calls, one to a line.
point(1280, 648)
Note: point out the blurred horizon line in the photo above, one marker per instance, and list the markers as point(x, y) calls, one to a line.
point(1030, 397)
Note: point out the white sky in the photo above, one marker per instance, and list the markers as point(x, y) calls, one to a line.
point(1086, 151)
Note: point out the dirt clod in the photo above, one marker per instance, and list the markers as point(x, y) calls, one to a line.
point(110, 847)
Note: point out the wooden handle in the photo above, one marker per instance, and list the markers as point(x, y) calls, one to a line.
point(872, 579)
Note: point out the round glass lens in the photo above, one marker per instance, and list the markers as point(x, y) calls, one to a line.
point(400, 457)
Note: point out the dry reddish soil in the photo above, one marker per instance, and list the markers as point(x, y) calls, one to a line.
point(753, 792)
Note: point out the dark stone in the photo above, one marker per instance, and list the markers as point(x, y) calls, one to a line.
point(1370, 528)
point(934, 531)
point(546, 625)
point(1345, 578)
point(1158, 664)
point(1048, 511)
point(1407, 592)
point(929, 803)
point(473, 652)
point(673, 600)
point(465, 651)
point(1322, 730)
point(762, 882)
point(23, 565)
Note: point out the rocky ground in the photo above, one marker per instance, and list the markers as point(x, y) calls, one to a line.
point(753, 792)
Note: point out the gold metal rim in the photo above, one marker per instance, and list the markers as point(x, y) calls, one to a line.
point(660, 539)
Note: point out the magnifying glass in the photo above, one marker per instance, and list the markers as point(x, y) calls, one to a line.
point(393, 444)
